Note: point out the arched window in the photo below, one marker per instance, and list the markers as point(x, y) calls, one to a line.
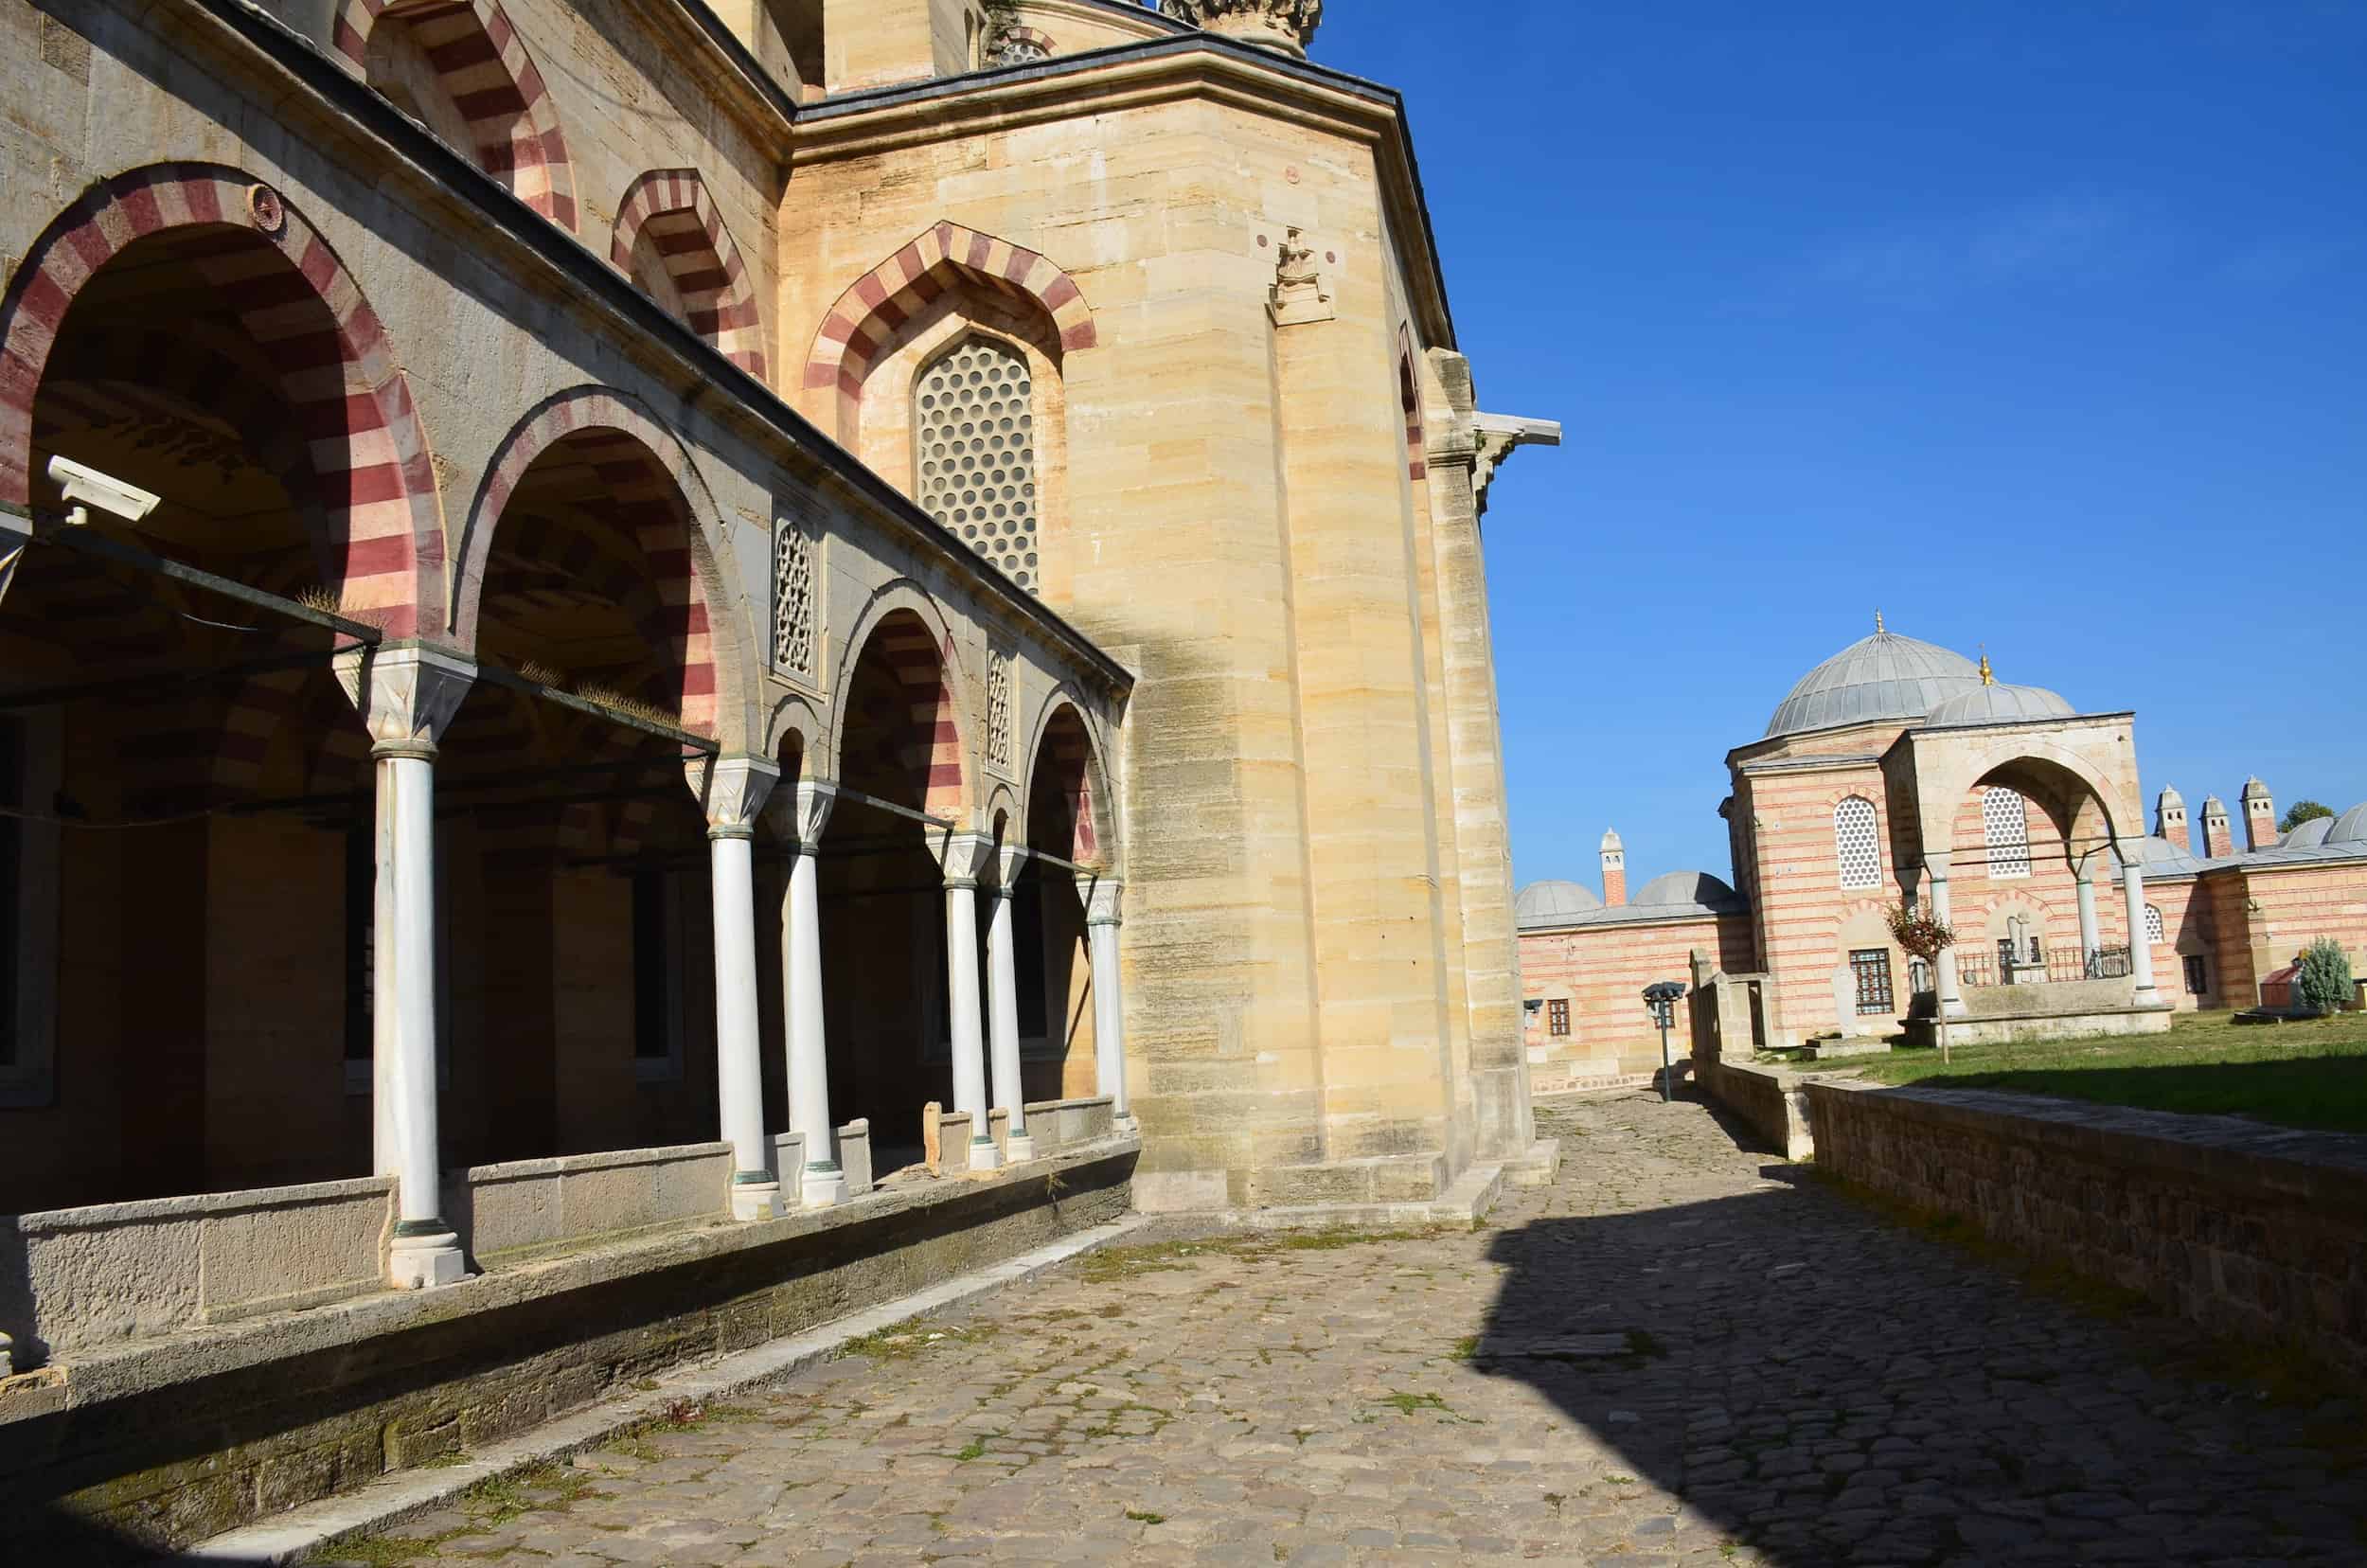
point(975, 443)
point(2153, 925)
point(1858, 844)
point(2006, 822)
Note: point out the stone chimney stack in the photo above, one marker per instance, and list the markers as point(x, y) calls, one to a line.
point(2219, 839)
point(1615, 872)
point(2169, 820)
point(2260, 815)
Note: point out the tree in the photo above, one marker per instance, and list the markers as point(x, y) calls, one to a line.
point(2303, 811)
point(2322, 977)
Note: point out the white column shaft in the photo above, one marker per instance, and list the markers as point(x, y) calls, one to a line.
point(961, 986)
point(404, 1029)
point(1003, 1020)
point(740, 1090)
point(2091, 937)
point(2140, 950)
point(1102, 941)
point(1951, 998)
point(808, 1059)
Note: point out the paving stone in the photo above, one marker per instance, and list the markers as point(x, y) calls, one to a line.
point(1601, 1375)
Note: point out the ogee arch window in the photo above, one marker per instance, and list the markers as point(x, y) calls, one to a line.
point(1858, 844)
point(2006, 822)
point(974, 427)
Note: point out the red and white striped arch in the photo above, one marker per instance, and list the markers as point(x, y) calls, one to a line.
point(482, 64)
point(1410, 394)
point(650, 482)
point(1064, 765)
point(923, 734)
point(672, 207)
point(867, 316)
point(300, 307)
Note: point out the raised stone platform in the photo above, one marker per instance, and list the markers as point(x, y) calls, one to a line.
point(2055, 1009)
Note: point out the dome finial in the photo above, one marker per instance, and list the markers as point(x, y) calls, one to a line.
point(1988, 676)
point(1878, 627)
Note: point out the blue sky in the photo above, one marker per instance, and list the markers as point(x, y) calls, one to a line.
point(2042, 326)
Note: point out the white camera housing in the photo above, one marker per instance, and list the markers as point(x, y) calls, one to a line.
point(86, 486)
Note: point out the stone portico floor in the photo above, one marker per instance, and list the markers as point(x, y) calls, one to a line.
point(1681, 1352)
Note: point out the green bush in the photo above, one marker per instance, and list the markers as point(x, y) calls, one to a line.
point(2323, 979)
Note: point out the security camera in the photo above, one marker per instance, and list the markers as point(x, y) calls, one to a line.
point(84, 485)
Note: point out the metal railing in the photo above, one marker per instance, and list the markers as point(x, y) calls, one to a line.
point(2053, 964)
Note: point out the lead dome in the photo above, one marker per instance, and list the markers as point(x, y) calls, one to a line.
point(1883, 676)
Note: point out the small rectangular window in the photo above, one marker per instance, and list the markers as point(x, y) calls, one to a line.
point(361, 948)
point(1558, 1016)
point(2196, 980)
point(1871, 966)
point(657, 977)
point(31, 752)
point(12, 883)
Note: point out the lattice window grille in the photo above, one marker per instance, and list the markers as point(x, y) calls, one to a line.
point(1020, 51)
point(794, 598)
point(976, 426)
point(2153, 924)
point(1858, 844)
point(2005, 821)
point(998, 710)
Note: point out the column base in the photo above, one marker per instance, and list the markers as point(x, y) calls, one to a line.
point(1019, 1146)
point(427, 1257)
point(2147, 996)
point(821, 1185)
point(1127, 1126)
point(983, 1156)
point(757, 1200)
point(1952, 1007)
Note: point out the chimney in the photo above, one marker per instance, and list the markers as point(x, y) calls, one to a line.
point(2260, 815)
point(2218, 840)
point(2169, 821)
point(1615, 872)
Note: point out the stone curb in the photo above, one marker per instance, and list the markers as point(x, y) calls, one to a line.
point(404, 1494)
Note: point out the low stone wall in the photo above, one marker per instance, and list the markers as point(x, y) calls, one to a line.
point(1768, 1099)
point(1063, 1124)
point(533, 1204)
point(80, 1278)
point(176, 1438)
point(1998, 1022)
point(2247, 1230)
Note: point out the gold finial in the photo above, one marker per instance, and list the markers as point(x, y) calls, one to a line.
point(1877, 623)
point(1988, 676)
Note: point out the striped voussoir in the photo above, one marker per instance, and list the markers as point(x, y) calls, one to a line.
point(867, 316)
point(1409, 392)
point(1032, 38)
point(483, 64)
point(1071, 763)
point(345, 394)
point(929, 742)
point(641, 468)
point(672, 207)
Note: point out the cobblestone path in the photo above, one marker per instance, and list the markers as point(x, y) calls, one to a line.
point(1680, 1353)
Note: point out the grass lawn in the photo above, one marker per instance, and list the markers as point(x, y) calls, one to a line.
point(2296, 1074)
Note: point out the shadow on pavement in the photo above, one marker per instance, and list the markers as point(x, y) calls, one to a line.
point(46, 1536)
point(1826, 1387)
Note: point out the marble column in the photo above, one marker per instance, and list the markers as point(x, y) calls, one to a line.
point(2091, 937)
point(2140, 950)
point(823, 1182)
point(1002, 1005)
point(1103, 895)
point(407, 696)
point(964, 857)
point(1943, 910)
point(732, 788)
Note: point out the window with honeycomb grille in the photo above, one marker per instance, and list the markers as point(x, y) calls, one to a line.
point(975, 431)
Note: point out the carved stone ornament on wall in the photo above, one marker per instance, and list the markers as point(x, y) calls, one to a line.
point(999, 709)
point(1299, 294)
point(795, 598)
point(1286, 27)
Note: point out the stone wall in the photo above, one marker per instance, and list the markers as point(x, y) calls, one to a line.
point(1773, 1101)
point(532, 1204)
point(1601, 970)
point(174, 1439)
point(2255, 1231)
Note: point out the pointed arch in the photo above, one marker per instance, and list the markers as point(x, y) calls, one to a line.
point(671, 206)
point(482, 64)
point(914, 639)
point(298, 304)
point(1410, 396)
point(656, 494)
point(1065, 741)
point(885, 298)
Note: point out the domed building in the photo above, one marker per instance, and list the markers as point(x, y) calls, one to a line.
point(1901, 773)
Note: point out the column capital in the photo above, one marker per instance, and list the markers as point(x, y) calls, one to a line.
point(1935, 865)
point(732, 791)
point(1009, 861)
point(802, 811)
point(963, 857)
point(407, 693)
point(1103, 895)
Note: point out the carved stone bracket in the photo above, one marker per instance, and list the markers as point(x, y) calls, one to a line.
point(1286, 27)
point(731, 790)
point(407, 695)
point(1497, 436)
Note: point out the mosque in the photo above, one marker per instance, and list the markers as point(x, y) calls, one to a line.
point(669, 667)
point(1898, 773)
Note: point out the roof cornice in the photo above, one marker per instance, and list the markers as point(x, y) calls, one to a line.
point(594, 286)
point(1151, 71)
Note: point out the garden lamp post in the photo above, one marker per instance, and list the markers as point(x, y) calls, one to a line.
point(1660, 999)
